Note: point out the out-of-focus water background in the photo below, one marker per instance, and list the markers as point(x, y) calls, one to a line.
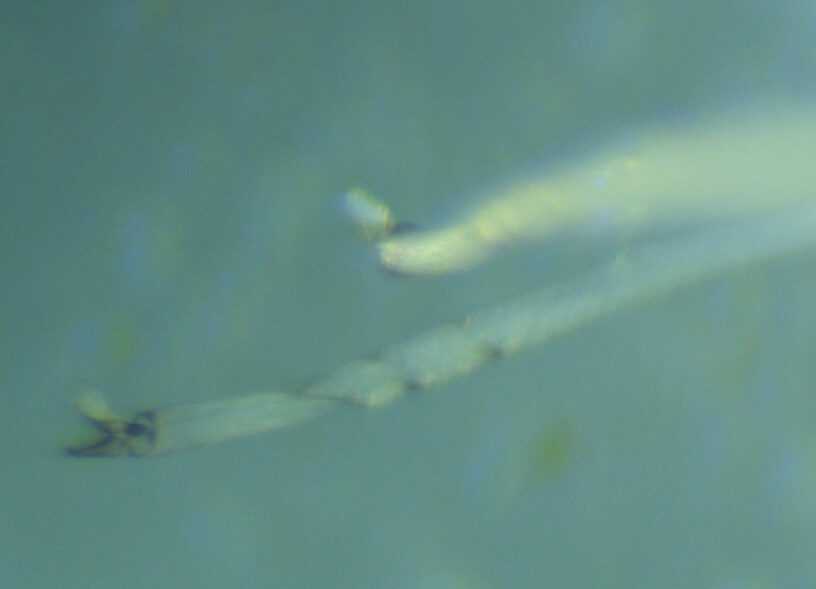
point(170, 232)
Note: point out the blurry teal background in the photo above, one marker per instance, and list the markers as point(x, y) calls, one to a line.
point(170, 232)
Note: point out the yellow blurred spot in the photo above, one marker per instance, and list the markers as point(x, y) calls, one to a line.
point(552, 450)
point(122, 339)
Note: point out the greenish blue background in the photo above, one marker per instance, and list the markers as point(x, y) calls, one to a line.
point(170, 232)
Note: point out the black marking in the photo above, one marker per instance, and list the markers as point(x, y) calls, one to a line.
point(403, 227)
point(134, 429)
point(493, 353)
point(95, 450)
point(413, 385)
point(148, 422)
